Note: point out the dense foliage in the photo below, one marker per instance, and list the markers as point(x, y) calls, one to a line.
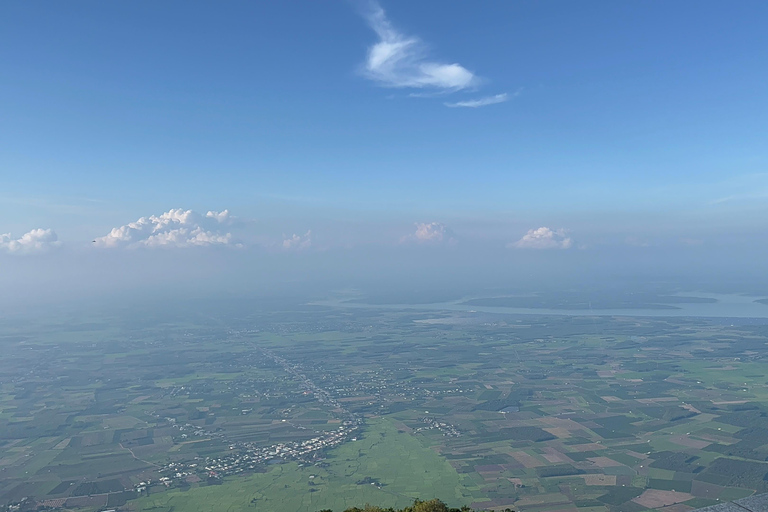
point(434, 505)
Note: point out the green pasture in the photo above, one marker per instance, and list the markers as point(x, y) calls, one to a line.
point(405, 468)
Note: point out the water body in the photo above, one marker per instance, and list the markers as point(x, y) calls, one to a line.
point(725, 306)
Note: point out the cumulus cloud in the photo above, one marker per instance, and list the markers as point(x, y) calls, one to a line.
point(298, 242)
point(401, 61)
point(37, 240)
point(174, 228)
point(480, 102)
point(544, 238)
point(430, 232)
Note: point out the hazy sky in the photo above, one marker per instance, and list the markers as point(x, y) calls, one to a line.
point(336, 131)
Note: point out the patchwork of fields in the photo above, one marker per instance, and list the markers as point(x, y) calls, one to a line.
point(255, 409)
point(399, 462)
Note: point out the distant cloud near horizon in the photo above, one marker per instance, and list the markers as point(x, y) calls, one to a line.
point(36, 240)
point(543, 238)
point(401, 61)
point(298, 242)
point(431, 232)
point(174, 228)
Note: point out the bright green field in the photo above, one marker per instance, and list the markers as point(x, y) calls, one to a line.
point(399, 461)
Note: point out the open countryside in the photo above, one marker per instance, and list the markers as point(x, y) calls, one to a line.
point(348, 406)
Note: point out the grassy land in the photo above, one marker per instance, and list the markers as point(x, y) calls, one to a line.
point(405, 468)
point(532, 413)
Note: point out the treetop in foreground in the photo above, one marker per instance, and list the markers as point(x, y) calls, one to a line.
point(434, 505)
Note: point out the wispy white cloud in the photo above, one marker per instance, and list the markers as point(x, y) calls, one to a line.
point(725, 199)
point(174, 228)
point(431, 233)
point(739, 197)
point(401, 61)
point(37, 240)
point(480, 102)
point(298, 242)
point(544, 238)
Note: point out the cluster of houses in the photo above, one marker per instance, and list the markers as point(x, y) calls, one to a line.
point(447, 429)
point(247, 457)
point(189, 429)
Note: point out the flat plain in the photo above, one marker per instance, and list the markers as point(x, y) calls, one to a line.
point(291, 407)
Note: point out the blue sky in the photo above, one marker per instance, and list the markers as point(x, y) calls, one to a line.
point(615, 122)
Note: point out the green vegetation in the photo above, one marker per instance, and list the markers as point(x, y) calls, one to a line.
point(620, 495)
point(402, 466)
point(305, 408)
point(433, 505)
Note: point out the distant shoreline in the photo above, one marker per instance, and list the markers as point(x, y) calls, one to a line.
point(700, 305)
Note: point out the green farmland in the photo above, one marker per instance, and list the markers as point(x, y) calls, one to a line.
point(332, 408)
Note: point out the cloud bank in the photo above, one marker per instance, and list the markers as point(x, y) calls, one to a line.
point(480, 102)
point(37, 240)
point(298, 242)
point(401, 61)
point(430, 233)
point(544, 238)
point(174, 228)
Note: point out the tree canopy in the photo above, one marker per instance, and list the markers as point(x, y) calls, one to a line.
point(434, 505)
